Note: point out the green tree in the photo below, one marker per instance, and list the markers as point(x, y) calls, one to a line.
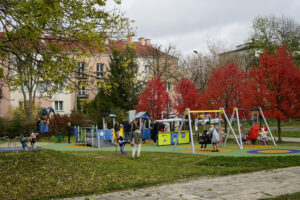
point(43, 39)
point(122, 86)
point(270, 32)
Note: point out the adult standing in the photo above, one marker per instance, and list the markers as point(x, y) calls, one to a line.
point(37, 128)
point(215, 138)
point(69, 131)
point(127, 130)
point(136, 141)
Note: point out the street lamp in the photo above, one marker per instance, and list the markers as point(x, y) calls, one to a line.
point(201, 68)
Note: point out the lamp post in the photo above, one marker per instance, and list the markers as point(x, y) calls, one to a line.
point(201, 71)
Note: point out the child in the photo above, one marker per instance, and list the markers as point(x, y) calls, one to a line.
point(205, 139)
point(24, 141)
point(263, 134)
point(33, 140)
point(122, 143)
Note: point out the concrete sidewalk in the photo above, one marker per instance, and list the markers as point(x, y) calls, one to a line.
point(256, 185)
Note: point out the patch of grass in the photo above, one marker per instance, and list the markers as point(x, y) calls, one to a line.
point(294, 196)
point(295, 134)
point(45, 174)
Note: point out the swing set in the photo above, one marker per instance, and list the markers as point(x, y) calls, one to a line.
point(254, 131)
point(188, 112)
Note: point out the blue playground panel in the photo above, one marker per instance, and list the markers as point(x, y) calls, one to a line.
point(76, 132)
point(44, 128)
point(108, 135)
point(146, 134)
point(174, 136)
point(16, 149)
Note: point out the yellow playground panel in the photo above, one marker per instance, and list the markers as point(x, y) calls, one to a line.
point(170, 138)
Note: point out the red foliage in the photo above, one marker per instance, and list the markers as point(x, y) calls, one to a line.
point(154, 98)
point(274, 86)
point(226, 88)
point(187, 96)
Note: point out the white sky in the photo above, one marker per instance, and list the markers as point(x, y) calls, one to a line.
point(189, 24)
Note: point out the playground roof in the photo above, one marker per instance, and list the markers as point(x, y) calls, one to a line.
point(143, 115)
point(109, 115)
point(170, 120)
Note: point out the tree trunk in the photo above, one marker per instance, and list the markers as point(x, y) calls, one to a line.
point(279, 130)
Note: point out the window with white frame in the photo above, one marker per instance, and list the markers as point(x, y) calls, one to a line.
point(82, 89)
point(146, 69)
point(59, 105)
point(168, 87)
point(100, 70)
point(81, 69)
point(41, 87)
point(59, 87)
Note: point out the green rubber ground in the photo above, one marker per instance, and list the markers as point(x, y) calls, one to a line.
point(230, 150)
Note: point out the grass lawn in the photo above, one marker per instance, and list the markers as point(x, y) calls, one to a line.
point(44, 174)
point(294, 196)
point(295, 134)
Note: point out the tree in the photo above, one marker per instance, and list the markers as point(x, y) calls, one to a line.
point(199, 66)
point(187, 96)
point(121, 87)
point(163, 63)
point(43, 39)
point(154, 98)
point(274, 86)
point(270, 32)
point(226, 88)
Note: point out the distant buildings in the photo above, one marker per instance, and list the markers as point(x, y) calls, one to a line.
point(90, 76)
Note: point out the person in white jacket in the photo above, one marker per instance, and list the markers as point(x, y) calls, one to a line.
point(215, 138)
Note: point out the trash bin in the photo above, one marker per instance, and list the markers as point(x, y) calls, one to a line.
point(59, 137)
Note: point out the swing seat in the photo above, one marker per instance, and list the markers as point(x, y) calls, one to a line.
point(253, 132)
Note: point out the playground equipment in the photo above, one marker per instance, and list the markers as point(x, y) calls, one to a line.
point(253, 134)
point(188, 112)
point(46, 126)
point(146, 132)
point(169, 137)
point(95, 137)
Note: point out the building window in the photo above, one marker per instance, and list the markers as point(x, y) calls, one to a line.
point(59, 105)
point(100, 70)
point(146, 69)
point(82, 89)
point(59, 87)
point(41, 87)
point(168, 87)
point(81, 69)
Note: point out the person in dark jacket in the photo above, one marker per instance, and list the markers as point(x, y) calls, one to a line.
point(127, 130)
point(205, 139)
point(69, 131)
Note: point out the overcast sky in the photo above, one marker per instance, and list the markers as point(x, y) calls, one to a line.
point(189, 24)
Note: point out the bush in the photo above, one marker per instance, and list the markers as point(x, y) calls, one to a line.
point(16, 127)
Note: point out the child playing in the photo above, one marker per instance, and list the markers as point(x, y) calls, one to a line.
point(122, 142)
point(24, 141)
point(205, 139)
point(33, 140)
point(263, 134)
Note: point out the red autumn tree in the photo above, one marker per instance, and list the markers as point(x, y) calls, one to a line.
point(188, 96)
point(226, 88)
point(154, 98)
point(274, 86)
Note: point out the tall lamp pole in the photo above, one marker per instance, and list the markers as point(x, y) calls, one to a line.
point(201, 68)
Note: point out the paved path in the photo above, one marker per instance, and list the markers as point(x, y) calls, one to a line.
point(262, 184)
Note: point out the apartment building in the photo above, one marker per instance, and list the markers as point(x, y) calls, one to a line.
point(91, 72)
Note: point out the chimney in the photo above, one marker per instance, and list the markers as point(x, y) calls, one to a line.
point(148, 42)
point(142, 41)
point(129, 38)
